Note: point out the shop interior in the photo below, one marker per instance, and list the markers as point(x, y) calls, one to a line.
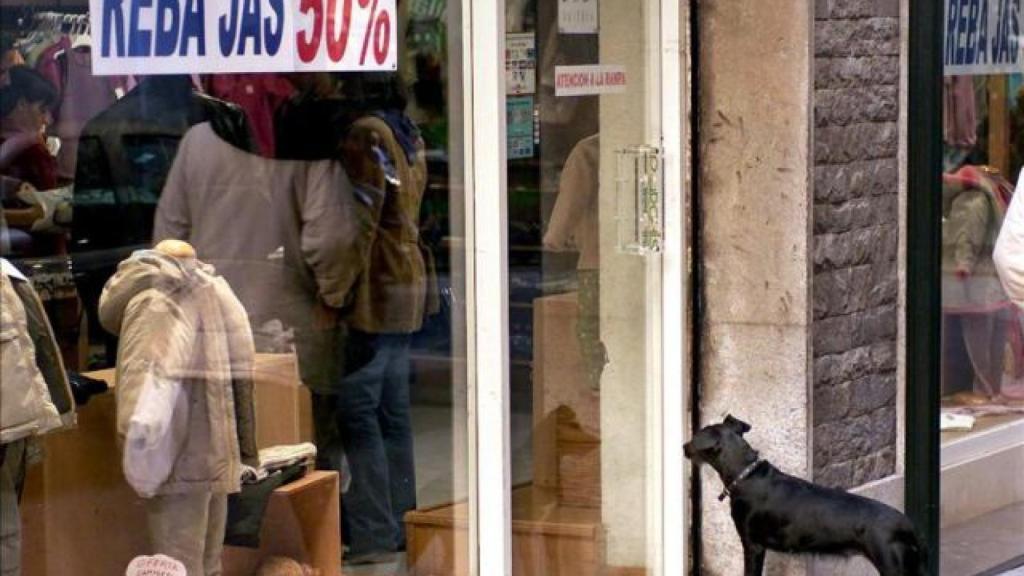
point(111, 150)
point(982, 355)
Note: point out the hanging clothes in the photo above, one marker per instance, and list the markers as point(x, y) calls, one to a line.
point(83, 96)
point(959, 112)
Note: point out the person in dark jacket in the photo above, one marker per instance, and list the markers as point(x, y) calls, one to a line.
point(124, 155)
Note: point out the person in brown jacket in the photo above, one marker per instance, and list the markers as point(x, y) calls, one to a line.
point(368, 415)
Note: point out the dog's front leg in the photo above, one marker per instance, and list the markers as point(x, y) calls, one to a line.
point(753, 559)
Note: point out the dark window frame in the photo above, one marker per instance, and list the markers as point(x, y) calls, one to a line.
point(923, 288)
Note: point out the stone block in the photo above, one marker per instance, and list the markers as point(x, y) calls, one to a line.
point(835, 475)
point(831, 293)
point(862, 37)
point(855, 72)
point(872, 393)
point(839, 9)
point(833, 335)
point(831, 403)
point(841, 182)
point(844, 106)
point(866, 141)
point(834, 369)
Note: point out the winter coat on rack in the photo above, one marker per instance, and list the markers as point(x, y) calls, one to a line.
point(35, 397)
point(184, 375)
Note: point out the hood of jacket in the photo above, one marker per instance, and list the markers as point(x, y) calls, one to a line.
point(147, 270)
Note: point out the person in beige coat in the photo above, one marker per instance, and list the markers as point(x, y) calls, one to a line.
point(184, 398)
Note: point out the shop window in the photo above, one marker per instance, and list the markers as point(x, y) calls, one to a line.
point(982, 340)
point(309, 323)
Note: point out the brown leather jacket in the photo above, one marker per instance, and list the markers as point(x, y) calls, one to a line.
point(391, 295)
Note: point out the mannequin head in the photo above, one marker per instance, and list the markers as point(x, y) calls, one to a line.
point(176, 248)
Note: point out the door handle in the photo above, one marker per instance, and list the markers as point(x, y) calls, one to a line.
point(639, 199)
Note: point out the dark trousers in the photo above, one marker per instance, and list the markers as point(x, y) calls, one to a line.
point(369, 421)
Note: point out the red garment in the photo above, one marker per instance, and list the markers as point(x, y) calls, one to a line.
point(259, 95)
point(33, 164)
point(49, 67)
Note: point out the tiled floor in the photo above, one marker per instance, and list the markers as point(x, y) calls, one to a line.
point(980, 544)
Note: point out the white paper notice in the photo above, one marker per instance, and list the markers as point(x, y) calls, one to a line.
point(520, 64)
point(589, 80)
point(577, 16)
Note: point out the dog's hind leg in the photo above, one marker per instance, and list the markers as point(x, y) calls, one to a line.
point(753, 559)
point(887, 558)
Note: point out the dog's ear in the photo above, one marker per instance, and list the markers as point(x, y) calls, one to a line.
point(736, 425)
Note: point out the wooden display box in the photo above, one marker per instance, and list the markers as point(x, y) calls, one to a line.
point(301, 523)
point(579, 462)
point(80, 517)
point(566, 411)
point(547, 538)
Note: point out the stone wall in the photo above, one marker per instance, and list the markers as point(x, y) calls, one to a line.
point(855, 240)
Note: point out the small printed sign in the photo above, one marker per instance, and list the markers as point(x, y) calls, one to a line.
point(158, 565)
point(577, 16)
point(520, 63)
point(202, 37)
point(589, 80)
point(519, 130)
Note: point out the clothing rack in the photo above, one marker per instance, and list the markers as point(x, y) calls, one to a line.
point(62, 22)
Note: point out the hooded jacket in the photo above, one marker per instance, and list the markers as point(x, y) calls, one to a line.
point(184, 375)
point(35, 397)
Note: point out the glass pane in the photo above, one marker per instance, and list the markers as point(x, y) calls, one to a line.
point(317, 335)
point(582, 284)
point(982, 358)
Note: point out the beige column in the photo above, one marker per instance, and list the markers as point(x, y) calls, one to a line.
point(625, 463)
point(755, 117)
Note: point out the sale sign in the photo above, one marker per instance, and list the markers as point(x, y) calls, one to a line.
point(984, 37)
point(208, 36)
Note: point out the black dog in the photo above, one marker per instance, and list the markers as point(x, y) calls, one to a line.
point(775, 511)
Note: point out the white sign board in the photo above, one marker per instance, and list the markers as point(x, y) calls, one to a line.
point(589, 80)
point(577, 16)
point(158, 565)
point(520, 64)
point(984, 37)
point(209, 36)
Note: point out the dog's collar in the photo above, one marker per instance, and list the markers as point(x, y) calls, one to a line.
point(743, 475)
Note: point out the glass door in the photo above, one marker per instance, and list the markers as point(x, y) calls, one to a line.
point(578, 288)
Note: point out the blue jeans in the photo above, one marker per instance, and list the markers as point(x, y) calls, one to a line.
point(375, 431)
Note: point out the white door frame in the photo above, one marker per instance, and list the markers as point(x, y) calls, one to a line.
point(490, 527)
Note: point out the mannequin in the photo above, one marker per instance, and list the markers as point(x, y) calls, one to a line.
point(184, 396)
point(574, 224)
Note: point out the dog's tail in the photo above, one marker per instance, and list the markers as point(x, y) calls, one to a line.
point(913, 554)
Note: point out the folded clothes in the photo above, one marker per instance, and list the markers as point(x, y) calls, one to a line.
point(246, 508)
point(277, 457)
